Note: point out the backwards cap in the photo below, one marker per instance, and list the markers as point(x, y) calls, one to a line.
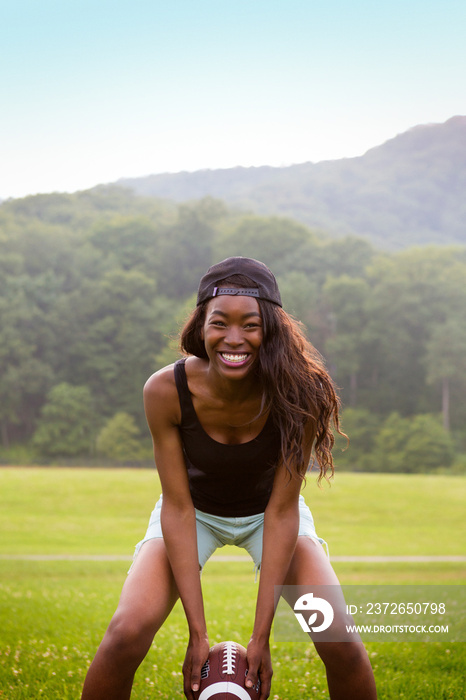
point(259, 273)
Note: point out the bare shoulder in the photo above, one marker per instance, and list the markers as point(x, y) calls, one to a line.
point(161, 396)
point(161, 384)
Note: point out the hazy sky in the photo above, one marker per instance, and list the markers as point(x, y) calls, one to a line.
point(93, 90)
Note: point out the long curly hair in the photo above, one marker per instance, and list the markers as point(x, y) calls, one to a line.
point(295, 383)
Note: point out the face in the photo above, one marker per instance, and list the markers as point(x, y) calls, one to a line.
point(232, 334)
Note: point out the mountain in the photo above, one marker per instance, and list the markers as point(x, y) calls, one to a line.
point(408, 191)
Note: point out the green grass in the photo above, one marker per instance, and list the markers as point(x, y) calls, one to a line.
point(102, 511)
point(54, 613)
point(75, 511)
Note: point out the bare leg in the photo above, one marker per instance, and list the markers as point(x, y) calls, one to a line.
point(147, 598)
point(349, 672)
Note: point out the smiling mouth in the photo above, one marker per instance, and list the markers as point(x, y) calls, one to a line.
point(235, 358)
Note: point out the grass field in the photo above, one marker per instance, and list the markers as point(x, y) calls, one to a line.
point(53, 613)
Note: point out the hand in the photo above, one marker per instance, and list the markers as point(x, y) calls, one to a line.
point(196, 656)
point(260, 667)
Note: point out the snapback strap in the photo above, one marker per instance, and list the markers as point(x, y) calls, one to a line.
point(234, 291)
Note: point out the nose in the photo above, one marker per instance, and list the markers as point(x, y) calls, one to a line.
point(234, 336)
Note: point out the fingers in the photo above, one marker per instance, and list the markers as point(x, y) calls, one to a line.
point(259, 669)
point(196, 677)
point(188, 691)
point(261, 683)
point(261, 679)
point(192, 667)
point(191, 684)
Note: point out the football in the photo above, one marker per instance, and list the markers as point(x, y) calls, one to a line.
point(224, 673)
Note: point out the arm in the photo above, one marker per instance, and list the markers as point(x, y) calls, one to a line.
point(281, 526)
point(178, 516)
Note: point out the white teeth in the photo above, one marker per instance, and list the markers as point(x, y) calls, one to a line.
point(234, 358)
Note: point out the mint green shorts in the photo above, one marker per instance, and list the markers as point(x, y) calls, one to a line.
point(215, 531)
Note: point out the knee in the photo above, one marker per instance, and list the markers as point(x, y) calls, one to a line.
point(342, 656)
point(128, 636)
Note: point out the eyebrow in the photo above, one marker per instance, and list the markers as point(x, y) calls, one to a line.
point(247, 315)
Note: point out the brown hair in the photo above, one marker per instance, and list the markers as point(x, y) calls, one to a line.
point(295, 382)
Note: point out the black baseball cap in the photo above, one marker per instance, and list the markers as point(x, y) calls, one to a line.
point(259, 273)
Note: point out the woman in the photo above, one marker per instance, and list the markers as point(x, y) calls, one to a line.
point(233, 427)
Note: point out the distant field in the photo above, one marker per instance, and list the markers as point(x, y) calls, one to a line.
point(105, 511)
point(53, 613)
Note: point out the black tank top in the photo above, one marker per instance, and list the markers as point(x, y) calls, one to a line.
point(228, 480)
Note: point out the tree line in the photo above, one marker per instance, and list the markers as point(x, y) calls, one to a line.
point(407, 191)
point(94, 287)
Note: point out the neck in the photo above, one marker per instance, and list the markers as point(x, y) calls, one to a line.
point(233, 390)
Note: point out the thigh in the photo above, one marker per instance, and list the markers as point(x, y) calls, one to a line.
point(149, 591)
point(311, 570)
point(310, 565)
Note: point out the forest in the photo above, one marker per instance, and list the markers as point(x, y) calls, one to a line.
point(95, 285)
point(407, 191)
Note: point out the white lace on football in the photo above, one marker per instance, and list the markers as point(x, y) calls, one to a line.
point(229, 658)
